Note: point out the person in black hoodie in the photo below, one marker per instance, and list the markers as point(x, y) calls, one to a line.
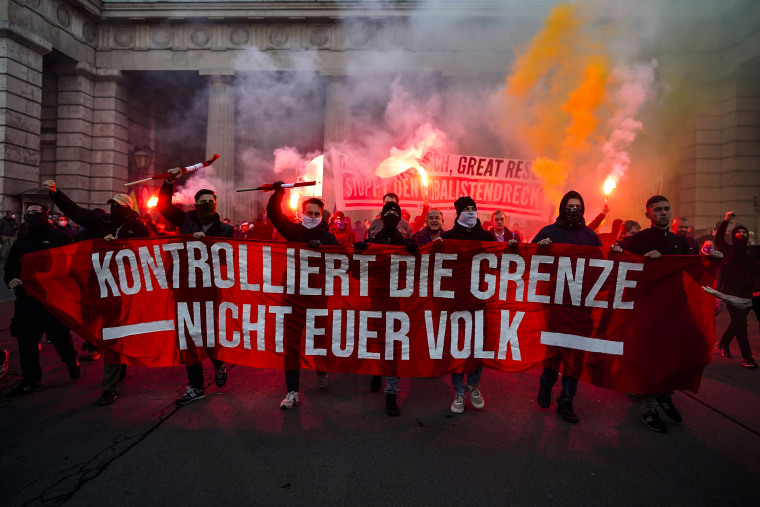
point(653, 243)
point(315, 232)
point(569, 228)
point(30, 319)
point(200, 222)
point(388, 235)
point(121, 223)
point(738, 276)
point(467, 227)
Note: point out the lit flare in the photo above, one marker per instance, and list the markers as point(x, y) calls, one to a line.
point(609, 185)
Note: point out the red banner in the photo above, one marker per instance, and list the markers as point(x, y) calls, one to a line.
point(495, 183)
point(614, 320)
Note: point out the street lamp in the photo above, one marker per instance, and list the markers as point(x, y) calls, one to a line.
point(143, 158)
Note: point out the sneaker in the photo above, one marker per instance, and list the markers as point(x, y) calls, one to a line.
point(220, 376)
point(24, 388)
point(566, 411)
point(93, 355)
point(747, 363)
point(290, 401)
point(191, 394)
point(375, 383)
point(725, 352)
point(457, 406)
point(544, 397)
point(391, 406)
point(75, 369)
point(476, 397)
point(107, 398)
point(670, 410)
point(4, 366)
point(323, 379)
point(652, 419)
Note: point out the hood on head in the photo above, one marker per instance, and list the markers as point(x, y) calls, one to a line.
point(571, 194)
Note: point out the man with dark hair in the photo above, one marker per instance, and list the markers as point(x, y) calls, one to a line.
point(467, 227)
point(680, 227)
point(377, 224)
point(30, 319)
point(569, 228)
point(433, 228)
point(738, 277)
point(653, 243)
point(388, 235)
point(200, 222)
point(315, 232)
point(121, 223)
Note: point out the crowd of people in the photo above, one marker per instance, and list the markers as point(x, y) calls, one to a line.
point(315, 227)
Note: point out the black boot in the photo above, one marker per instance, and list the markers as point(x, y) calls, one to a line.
point(391, 406)
point(375, 383)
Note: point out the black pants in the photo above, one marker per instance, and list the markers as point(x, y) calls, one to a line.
point(195, 372)
point(738, 328)
point(30, 321)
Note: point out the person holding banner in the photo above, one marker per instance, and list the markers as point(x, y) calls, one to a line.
point(377, 224)
point(654, 243)
point(30, 319)
point(467, 227)
point(569, 228)
point(200, 222)
point(499, 230)
point(315, 232)
point(122, 223)
point(388, 235)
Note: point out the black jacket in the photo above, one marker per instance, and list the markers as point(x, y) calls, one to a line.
point(101, 224)
point(562, 231)
point(293, 232)
point(187, 221)
point(739, 271)
point(661, 240)
point(394, 237)
point(36, 239)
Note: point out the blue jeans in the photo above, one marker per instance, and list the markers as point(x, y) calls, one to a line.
point(569, 384)
point(473, 379)
point(391, 385)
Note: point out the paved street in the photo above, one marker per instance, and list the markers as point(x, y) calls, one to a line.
point(339, 447)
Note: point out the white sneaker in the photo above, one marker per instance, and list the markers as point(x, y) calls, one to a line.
point(476, 397)
point(290, 401)
point(191, 394)
point(323, 379)
point(457, 406)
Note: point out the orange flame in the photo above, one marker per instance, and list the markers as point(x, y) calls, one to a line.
point(294, 196)
point(152, 202)
point(609, 185)
point(314, 171)
point(423, 175)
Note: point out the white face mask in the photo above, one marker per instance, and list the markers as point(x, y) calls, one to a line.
point(468, 218)
point(310, 222)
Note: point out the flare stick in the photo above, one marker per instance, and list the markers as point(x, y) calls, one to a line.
point(268, 186)
point(187, 169)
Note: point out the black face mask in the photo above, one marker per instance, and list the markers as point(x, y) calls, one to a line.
point(390, 221)
point(573, 215)
point(35, 219)
point(205, 209)
point(120, 214)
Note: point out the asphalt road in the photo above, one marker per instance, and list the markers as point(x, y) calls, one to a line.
point(339, 447)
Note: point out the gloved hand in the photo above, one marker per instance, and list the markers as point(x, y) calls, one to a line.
point(277, 185)
point(314, 243)
point(361, 245)
point(412, 247)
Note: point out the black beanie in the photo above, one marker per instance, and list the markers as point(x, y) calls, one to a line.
point(390, 206)
point(461, 203)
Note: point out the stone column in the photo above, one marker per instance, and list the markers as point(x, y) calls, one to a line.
point(110, 133)
point(73, 153)
point(20, 112)
point(220, 137)
point(337, 130)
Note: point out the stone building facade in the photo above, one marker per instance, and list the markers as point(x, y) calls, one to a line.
point(87, 83)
